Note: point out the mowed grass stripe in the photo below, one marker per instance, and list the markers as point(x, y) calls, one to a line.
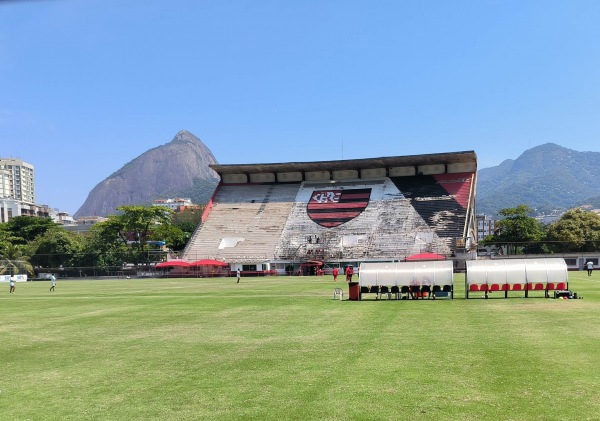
point(281, 348)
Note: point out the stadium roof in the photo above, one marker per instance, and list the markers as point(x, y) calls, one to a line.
point(358, 164)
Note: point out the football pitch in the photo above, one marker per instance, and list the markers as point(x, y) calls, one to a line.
point(280, 348)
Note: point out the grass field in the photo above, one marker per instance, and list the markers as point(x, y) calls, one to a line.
point(282, 349)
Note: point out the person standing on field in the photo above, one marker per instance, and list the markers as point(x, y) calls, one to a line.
point(52, 282)
point(12, 286)
point(590, 267)
point(349, 273)
point(238, 274)
point(335, 272)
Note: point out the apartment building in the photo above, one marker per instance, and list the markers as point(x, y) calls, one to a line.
point(17, 191)
point(485, 226)
point(17, 180)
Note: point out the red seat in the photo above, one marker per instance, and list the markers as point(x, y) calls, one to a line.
point(550, 286)
point(528, 287)
point(539, 287)
point(473, 287)
point(561, 286)
point(483, 287)
point(517, 287)
point(494, 287)
point(505, 287)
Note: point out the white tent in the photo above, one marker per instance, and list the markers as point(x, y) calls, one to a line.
point(407, 274)
point(541, 274)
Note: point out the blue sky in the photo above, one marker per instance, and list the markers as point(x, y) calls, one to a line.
point(86, 86)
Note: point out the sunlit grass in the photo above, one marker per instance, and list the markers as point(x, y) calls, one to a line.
point(281, 348)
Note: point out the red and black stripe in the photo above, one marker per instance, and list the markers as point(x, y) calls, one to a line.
point(350, 204)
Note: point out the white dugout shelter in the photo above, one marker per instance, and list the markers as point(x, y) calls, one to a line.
point(545, 274)
point(423, 276)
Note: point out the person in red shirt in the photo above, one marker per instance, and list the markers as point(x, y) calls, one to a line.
point(349, 273)
point(335, 272)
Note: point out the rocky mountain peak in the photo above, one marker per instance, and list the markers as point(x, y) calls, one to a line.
point(179, 168)
point(185, 136)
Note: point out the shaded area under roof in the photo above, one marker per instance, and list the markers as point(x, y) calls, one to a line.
point(346, 164)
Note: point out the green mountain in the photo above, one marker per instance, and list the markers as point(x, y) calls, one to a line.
point(545, 177)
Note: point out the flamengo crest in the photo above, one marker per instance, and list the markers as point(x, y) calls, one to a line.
point(332, 208)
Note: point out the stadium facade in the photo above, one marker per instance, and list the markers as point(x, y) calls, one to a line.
point(273, 217)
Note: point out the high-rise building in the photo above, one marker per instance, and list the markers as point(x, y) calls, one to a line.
point(17, 180)
point(485, 226)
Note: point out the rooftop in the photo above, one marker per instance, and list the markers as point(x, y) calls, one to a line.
point(357, 164)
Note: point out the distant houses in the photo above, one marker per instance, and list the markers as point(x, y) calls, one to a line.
point(178, 204)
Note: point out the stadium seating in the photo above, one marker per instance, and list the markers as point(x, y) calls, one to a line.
point(251, 223)
point(495, 287)
point(370, 289)
point(252, 214)
point(448, 289)
point(384, 289)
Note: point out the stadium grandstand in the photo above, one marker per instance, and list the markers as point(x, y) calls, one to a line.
point(274, 218)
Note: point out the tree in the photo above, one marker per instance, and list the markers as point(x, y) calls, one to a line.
point(23, 229)
point(5, 236)
point(14, 260)
point(124, 237)
point(516, 230)
point(173, 236)
point(188, 220)
point(576, 230)
point(112, 231)
point(55, 248)
point(101, 248)
point(138, 221)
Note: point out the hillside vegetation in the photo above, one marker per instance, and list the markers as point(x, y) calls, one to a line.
point(546, 177)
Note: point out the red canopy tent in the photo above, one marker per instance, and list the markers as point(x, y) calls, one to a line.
point(210, 268)
point(425, 256)
point(310, 267)
point(208, 262)
point(172, 263)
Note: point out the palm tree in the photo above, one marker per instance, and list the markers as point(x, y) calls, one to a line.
point(13, 260)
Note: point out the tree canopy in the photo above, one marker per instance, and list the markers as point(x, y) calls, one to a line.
point(576, 230)
point(22, 229)
point(125, 236)
point(55, 247)
point(132, 236)
point(517, 229)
